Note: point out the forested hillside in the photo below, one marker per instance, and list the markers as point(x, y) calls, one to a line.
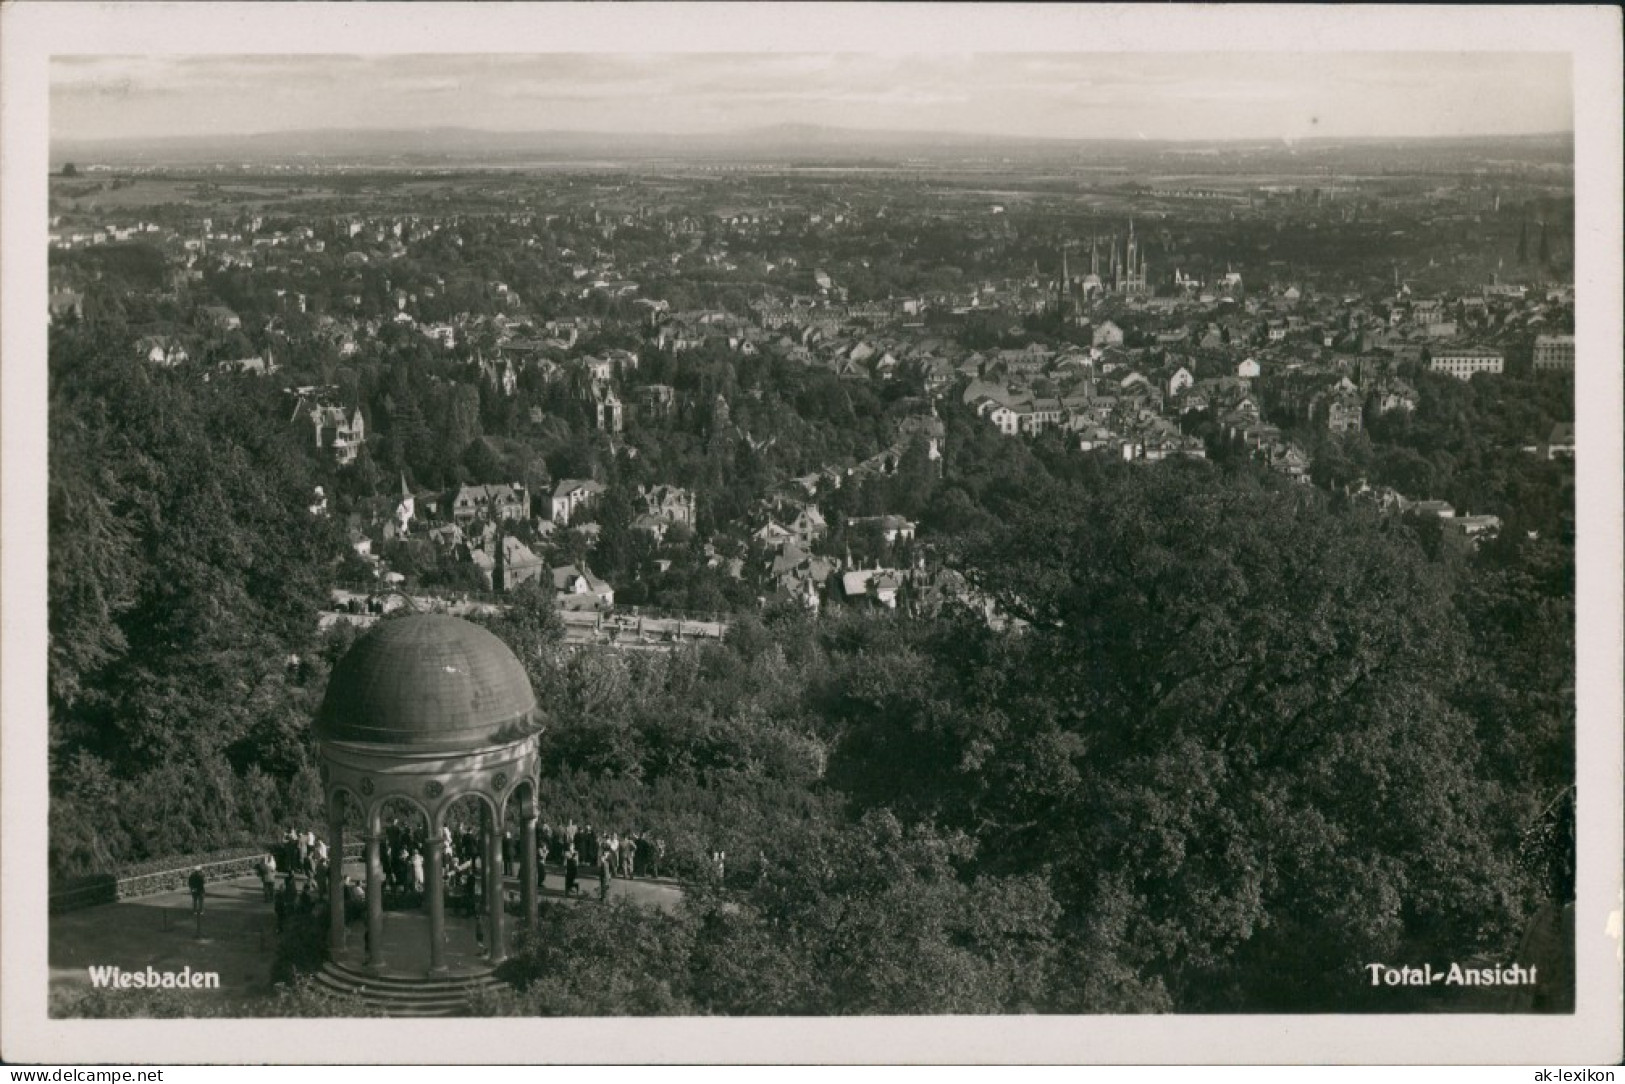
point(1230, 738)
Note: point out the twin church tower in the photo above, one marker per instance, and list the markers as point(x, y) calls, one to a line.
point(1126, 270)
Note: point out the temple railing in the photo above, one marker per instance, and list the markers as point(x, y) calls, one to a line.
point(107, 888)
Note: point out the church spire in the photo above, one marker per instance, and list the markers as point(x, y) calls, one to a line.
point(1062, 287)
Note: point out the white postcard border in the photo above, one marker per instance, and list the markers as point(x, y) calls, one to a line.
point(33, 31)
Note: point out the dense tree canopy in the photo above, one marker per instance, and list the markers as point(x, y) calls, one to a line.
point(1231, 715)
point(185, 573)
point(1196, 738)
point(1226, 741)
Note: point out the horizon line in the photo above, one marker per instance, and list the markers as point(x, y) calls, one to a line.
point(793, 125)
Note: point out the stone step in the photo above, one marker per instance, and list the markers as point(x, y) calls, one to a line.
point(427, 987)
point(405, 996)
point(456, 981)
point(407, 990)
point(396, 1007)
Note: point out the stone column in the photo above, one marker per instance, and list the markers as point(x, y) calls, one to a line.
point(527, 870)
point(375, 891)
point(497, 945)
point(335, 876)
point(434, 885)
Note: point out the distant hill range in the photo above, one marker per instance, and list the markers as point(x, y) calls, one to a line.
point(777, 143)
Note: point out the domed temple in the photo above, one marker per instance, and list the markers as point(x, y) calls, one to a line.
point(426, 710)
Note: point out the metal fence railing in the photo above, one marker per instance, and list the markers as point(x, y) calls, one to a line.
point(106, 888)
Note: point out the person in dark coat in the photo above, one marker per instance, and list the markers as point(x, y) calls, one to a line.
point(403, 869)
point(507, 852)
point(355, 900)
point(588, 846)
point(195, 884)
point(572, 870)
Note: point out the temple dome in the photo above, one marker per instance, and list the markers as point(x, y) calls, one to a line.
point(427, 681)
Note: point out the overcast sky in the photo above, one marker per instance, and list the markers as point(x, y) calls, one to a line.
point(1077, 95)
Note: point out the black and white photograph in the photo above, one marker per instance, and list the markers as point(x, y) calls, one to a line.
point(1023, 523)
